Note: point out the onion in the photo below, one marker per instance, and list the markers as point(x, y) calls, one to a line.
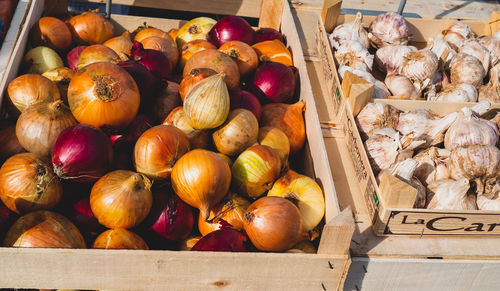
point(121, 199)
point(303, 247)
point(61, 76)
point(187, 244)
point(246, 100)
point(73, 55)
point(119, 238)
point(40, 59)
point(81, 153)
point(148, 31)
point(139, 125)
point(201, 178)
point(217, 61)
point(276, 139)
point(121, 45)
point(243, 54)
point(166, 46)
point(274, 51)
point(80, 213)
point(9, 144)
point(51, 32)
point(147, 83)
point(103, 94)
point(44, 229)
point(96, 53)
point(7, 218)
point(273, 81)
point(273, 224)
point(227, 159)
point(27, 183)
point(168, 99)
point(30, 89)
point(267, 33)
point(192, 78)
point(238, 132)
point(197, 138)
point(223, 240)
point(289, 119)
point(40, 124)
point(230, 211)
point(231, 28)
point(192, 47)
point(196, 28)
point(90, 28)
point(155, 61)
point(173, 34)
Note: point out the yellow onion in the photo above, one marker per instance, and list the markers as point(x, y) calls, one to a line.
point(166, 101)
point(201, 178)
point(195, 76)
point(197, 138)
point(276, 139)
point(29, 89)
point(61, 76)
point(146, 31)
point(90, 28)
point(187, 244)
point(207, 104)
point(27, 183)
point(255, 170)
point(226, 158)
point(243, 54)
point(40, 59)
point(9, 144)
point(121, 45)
point(217, 61)
point(303, 247)
point(121, 199)
point(238, 132)
point(119, 238)
point(305, 192)
point(157, 150)
point(44, 229)
point(40, 124)
point(96, 53)
point(288, 118)
point(196, 28)
point(192, 47)
point(165, 45)
point(231, 209)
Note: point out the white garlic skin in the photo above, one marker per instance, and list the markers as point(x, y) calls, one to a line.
point(491, 91)
point(426, 125)
point(390, 58)
point(375, 116)
point(470, 130)
point(490, 200)
point(457, 93)
point(466, 69)
point(492, 44)
point(474, 48)
point(380, 91)
point(442, 49)
point(389, 28)
point(475, 161)
point(457, 33)
point(401, 86)
point(382, 152)
point(350, 31)
point(450, 195)
point(352, 51)
point(433, 165)
point(419, 65)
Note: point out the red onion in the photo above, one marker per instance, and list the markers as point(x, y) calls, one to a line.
point(147, 82)
point(72, 56)
point(246, 100)
point(267, 33)
point(7, 218)
point(82, 153)
point(225, 239)
point(273, 81)
point(79, 212)
point(155, 61)
point(231, 28)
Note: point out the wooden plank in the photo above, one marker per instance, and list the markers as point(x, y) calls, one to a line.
point(357, 91)
point(268, 13)
point(396, 193)
point(329, 13)
point(337, 234)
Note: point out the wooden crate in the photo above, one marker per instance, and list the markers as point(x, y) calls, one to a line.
point(176, 270)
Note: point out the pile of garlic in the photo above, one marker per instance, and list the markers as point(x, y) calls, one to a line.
point(453, 160)
point(456, 66)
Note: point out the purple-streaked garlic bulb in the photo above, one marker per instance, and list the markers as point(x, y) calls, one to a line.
point(466, 69)
point(457, 33)
point(491, 91)
point(390, 58)
point(420, 65)
point(442, 49)
point(389, 28)
point(423, 124)
point(457, 93)
point(353, 54)
point(450, 194)
point(433, 165)
point(474, 48)
point(375, 116)
point(350, 31)
point(401, 87)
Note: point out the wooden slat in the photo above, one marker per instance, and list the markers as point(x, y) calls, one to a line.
point(269, 11)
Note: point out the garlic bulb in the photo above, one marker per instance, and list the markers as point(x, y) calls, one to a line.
point(423, 124)
point(380, 91)
point(490, 199)
point(375, 116)
point(405, 171)
point(457, 93)
point(496, 119)
point(493, 45)
point(457, 33)
point(442, 49)
point(470, 130)
point(466, 69)
point(450, 195)
point(390, 58)
point(389, 28)
point(491, 91)
point(352, 52)
point(401, 86)
point(419, 65)
point(474, 48)
point(433, 165)
point(350, 31)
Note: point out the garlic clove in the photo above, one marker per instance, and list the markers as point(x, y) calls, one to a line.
point(389, 28)
point(423, 124)
point(433, 165)
point(442, 49)
point(450, 195)
point(466, 69)
point(419, 65)
point(474, 48)
point(350, 31)
point(401, 86)
point(390, 58)
point(376, 116)
point(351, 52)
point(457, 93)
point(491, 91)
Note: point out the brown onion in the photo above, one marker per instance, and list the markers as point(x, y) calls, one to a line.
point(166, 46)
point(148, 31)
point(276, 139)
point(44, 229)
point(29, 89)
point(96, 53)
point(197, 138)
point(61, 76)
point(192, 47)
point(164, 103)
point(201, 178)
point(273, 224)
point(217, 61)
point(288, 118)
point(121, 199)
point(192, 78)
point(27, 183)
point(231, 209)
point(196, 28)
point(240, 131)
point(121, 45)
point(119, 238)
point(90, 28)
point(51, 32)
point(157, 150)
point(243, 54)
point(9, 144)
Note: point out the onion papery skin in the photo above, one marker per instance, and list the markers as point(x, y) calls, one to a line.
point(168, 99)
point(119, 238)
point(44, 229)
point(197, 138)
point(191, 48)
point(103, 94)
point(73, 55)
point(96, 53)
point(192, 78)
point(40, 59)
point(157, 150)
point(61, 76)
point(167, 47)
point(201, 178)
point(82, 153)
point(273, 224)
point(243, 54)
point(276, 139)
point(231, 28)
point(40, 124)
point(30, 89)
point(9, 144)
point(246, 100)
point(27, 183)
point(196, 28)
point(274, 51)
point(51, 32)
point(90, 28)
point(121, 199)
point(121, 45)
point(223, 240)
point(273, 82)
point(229, 211)
point(255, 170)
point(217, 61)
point(155, 61)
point(148, 31)
point(289, 119)
point(239, 132)
point(148, 84)
point(267, 33)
